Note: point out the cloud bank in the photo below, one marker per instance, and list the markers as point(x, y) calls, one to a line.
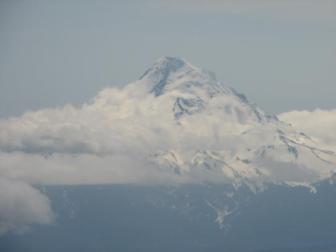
point(319, 124)
point(108, 140)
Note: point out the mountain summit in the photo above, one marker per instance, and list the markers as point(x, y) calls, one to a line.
point(194, 90)
point(169, 73)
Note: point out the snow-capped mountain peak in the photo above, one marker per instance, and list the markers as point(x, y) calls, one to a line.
point(172, 73)
point(195, 90)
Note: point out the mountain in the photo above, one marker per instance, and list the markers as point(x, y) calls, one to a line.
point(179, 124)
point(252, 147)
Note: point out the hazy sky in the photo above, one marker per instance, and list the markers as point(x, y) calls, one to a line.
point(281, 54)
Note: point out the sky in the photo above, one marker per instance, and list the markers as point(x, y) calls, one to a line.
point(281, 54)
point(57, 55)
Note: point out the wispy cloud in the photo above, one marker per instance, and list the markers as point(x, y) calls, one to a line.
point(320, 124)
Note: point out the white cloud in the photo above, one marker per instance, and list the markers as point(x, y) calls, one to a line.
point(319, 124)
point(22, 205)
point(79, 169)
point(125, 121)
point(108, 140)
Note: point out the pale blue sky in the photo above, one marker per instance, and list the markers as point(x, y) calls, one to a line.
point(282, 57)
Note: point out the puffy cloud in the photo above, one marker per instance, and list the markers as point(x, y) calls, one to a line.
point(108, 140)
point(319, 124)
point(22, 205)
point(125, 121)
point(112, 138)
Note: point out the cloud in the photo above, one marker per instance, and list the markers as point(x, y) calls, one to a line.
point(284, 9)
point(319, 124)
point(22, 205)
point(108, 140)
point(128, 121)
point(79, 169)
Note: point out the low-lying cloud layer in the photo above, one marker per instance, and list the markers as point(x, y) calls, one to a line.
point(106, 141)
point(319, 124)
